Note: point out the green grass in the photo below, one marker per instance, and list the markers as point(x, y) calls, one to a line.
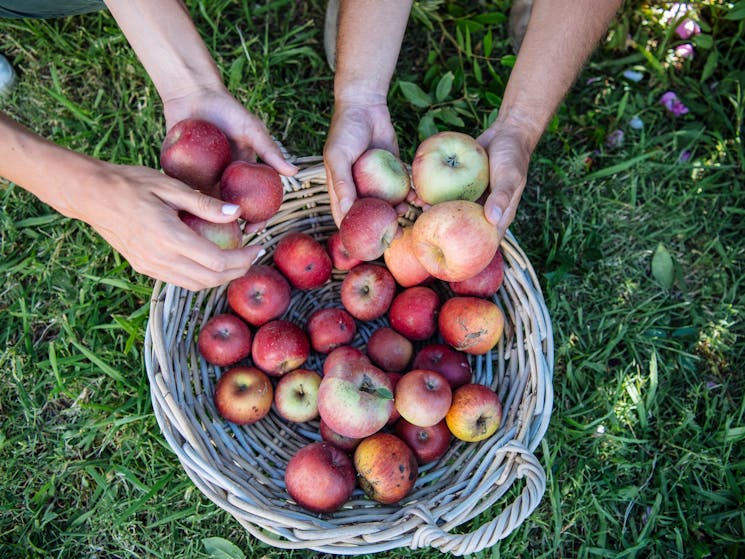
point(644, 453)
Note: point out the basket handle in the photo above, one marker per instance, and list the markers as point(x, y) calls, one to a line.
point(528, 467)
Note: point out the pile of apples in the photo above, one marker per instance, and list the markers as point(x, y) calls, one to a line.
point(424, 291)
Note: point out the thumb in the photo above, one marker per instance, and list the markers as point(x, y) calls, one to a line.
point(341, 184)
point(207, 207)
point(501, 204)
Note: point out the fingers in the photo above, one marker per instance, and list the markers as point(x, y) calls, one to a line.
point(200, 204)
point(342, 191)
point(255, 140)
point(506, 189)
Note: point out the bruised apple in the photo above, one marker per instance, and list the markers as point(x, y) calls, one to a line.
point(471, 324)
point(386, 467)
point(244, 395)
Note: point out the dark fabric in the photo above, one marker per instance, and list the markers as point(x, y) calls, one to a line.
point(48, 8)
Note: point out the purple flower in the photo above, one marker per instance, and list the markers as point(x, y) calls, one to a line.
point(614, 139)
point(687, 29)
point(684, 156)
point(671, 102)
point(684, 51)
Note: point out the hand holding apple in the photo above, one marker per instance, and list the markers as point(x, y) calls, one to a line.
point(381, 174)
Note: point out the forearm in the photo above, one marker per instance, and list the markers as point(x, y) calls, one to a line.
point(163, 36)
point(53, 174)
point(558, 41)
point(369, 40)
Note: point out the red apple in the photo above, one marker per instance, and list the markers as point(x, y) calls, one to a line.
point(413, 312)
point(296, 395)
point(423, 397)
point(243, 395)
point(475, 414)
point(260, 295)
point(255, 187)
point(446, 360)
point(342, 356)
point(224, 235)
point(367, 291)
point(340, 257)
point(485, 283)
point(386, 467)
point(389, 350)
point(428, 443)
point(279, 346)
point(320, 477)
point(471, 324)
point(368, 228)
point(450, 166)
point(224, 340)
point(195, 152)
point(330, 328)
point(347, 444)
point(380, 174)
point(355, 400)
point(453, 240)
point(401, 261)
point(303, 260)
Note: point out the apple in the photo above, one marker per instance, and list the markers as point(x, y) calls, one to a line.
point(471, 324)
point(195, 152)
point(260, 295)
point(453, 240)
point(320, 477)
point(367, 291)
point(343, 356)
point(450, 166)
point(428, 443)
point(485, 283)
point(330, 328)
point(279, 346)
point(413, 312)
point(224, 340)
point(355, 399)
point(381, 174)
point(224, 235)
point(401, 261)
point(446, 360)
point(303, 260)
point(386, 468)
point(347, 444)
point(423, 397)
point(368, 228)
point(340, 257)
point(244, 395)
point(255, 187)
point(475, 414)
point(296, 395)
point(389, 350)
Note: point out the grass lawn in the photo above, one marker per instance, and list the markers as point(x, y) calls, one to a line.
point(634, 236)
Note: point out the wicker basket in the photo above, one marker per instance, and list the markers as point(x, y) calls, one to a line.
point(241, 469)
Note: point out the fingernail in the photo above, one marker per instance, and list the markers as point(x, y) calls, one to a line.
point(495, 215)
point(344, 205)
point(230, 209)
point(261, 253)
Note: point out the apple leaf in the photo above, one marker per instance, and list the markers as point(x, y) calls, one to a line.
point(415, 94)
point(384, 393)
point(662, 267)
point(220, 548)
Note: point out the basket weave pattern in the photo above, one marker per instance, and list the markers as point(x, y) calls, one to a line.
point(241, 469)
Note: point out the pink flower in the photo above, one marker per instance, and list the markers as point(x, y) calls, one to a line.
point(614, 139)
point(687, 29)
point(671, 102)
point(684, 51)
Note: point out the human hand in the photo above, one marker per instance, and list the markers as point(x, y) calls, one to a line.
point(509, 156)
point(355, 128)
point(135, 209)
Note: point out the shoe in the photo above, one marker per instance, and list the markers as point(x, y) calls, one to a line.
point(7, 76)
point(330, 28)
point(519, 18)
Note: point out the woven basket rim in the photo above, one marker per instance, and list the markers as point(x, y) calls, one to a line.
point(470, 481)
